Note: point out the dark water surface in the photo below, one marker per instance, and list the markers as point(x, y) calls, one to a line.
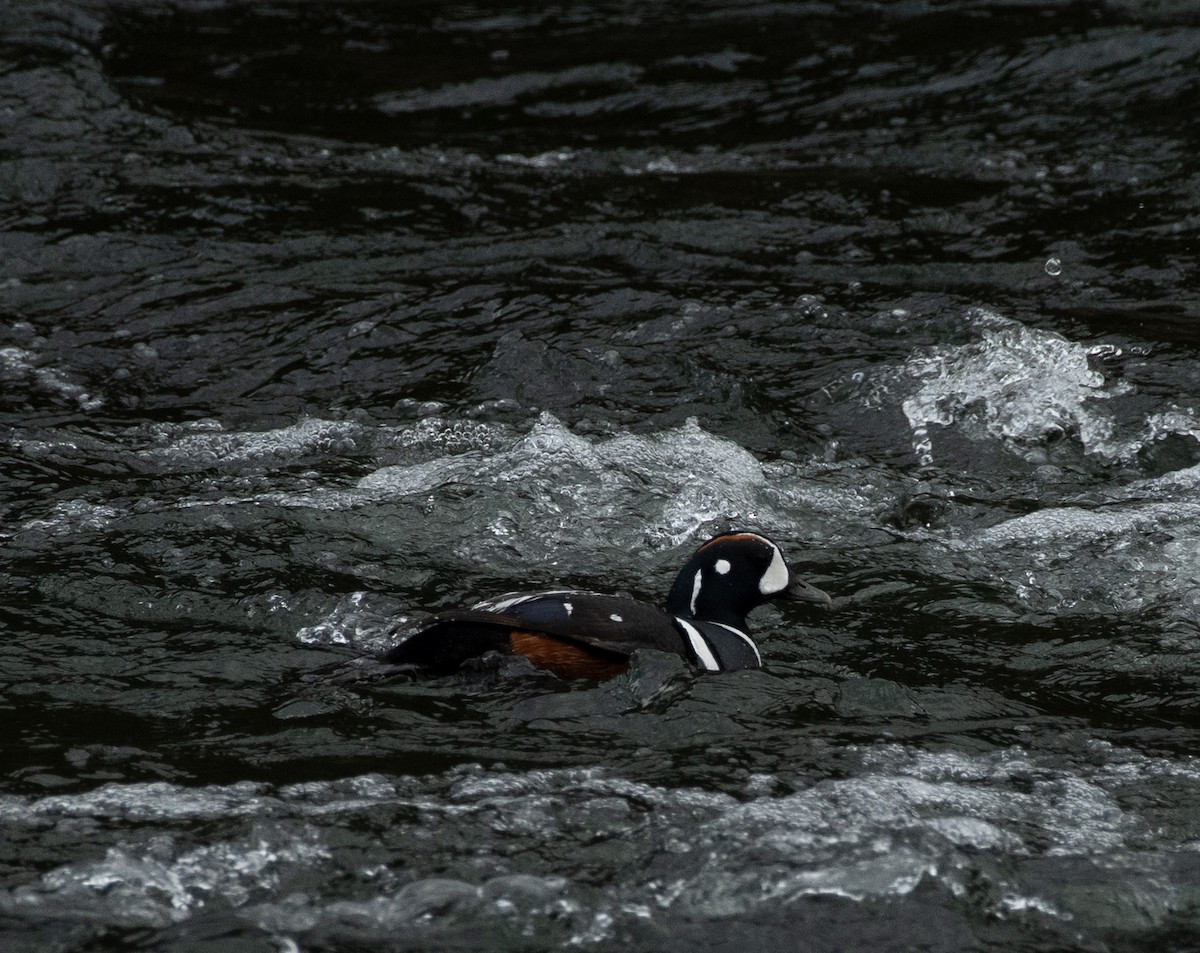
point(315, 316)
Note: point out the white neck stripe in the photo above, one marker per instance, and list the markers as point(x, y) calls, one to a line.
point(744, 637)
point(696, 588)
point(699, 646)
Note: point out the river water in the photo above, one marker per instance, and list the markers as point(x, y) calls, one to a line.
point(315, 317)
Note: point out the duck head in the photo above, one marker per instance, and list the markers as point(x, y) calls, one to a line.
point(732, 574)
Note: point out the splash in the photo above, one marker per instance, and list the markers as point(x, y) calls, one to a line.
point(360, 619)
point(554, 488)
point(1019, 385)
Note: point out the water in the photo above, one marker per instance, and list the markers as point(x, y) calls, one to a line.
point(316, 317)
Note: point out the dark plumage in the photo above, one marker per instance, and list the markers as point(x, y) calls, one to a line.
point(590, 635)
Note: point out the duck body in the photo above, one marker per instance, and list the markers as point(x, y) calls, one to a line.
point(581, 634)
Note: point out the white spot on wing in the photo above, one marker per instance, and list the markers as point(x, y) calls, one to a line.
point(775, 579)
point(722, 566)
point(703, 653)
point(696, 589)
point(570, 608)
point(616, 618)
point(744, 637)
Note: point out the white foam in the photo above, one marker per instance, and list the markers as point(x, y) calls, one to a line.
point(207, 444)
point(1026, 387)
point(1125, 556)
point(1077, 526)
point(902, 817)
point(366, 621)
point(74, 516)
point(20, 365)
point(1016, 384)
point(581, 493)
point(548, 493)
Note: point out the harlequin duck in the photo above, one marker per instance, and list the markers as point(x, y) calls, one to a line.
point(589, 635)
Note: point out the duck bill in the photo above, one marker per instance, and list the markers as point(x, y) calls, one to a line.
point(800, 591)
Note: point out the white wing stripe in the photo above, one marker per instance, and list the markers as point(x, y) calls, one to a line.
point(507, 601)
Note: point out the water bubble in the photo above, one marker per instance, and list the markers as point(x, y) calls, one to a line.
point(1053, 266)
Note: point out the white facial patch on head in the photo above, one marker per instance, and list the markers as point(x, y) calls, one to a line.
point(722, 566)
point(775, 579)
point(696, 589)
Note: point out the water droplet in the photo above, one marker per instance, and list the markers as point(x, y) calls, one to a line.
point(1053, 266)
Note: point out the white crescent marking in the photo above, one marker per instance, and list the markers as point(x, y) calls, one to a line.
point(744, 637)
point(775, 579)
point(700, 647)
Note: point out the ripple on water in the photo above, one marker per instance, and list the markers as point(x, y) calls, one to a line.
point(1128, 555)
point(27, 370)
point(481, 846)
point(236, 214)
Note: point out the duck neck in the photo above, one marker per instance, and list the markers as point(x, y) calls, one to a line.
point(692, 597)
